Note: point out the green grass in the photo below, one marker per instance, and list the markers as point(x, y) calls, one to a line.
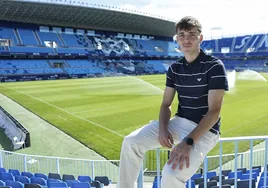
point(98, 112)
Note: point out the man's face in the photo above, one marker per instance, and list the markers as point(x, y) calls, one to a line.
point(189, 40)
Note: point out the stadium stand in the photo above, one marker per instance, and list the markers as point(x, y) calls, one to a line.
point(7, 178)
point(35, 53)
point(61, 49)
point(18, 180)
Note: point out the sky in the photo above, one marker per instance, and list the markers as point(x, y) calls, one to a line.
point(231, 17)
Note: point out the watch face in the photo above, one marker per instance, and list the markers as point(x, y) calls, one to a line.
point(189, 141)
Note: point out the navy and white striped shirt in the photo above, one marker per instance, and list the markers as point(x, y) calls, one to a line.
point(192, 81)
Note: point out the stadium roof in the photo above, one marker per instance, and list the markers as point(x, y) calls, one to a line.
point(70, 13)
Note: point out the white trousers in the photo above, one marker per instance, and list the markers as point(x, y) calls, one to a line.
point(138, 142)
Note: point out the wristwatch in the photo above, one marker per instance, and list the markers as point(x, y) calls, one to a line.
point(189, 141)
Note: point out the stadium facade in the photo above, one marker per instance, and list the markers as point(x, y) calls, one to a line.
point(70, 39)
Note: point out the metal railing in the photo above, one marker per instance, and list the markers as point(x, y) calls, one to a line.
point(109, 168)
point(233, 161)
point(46, 164)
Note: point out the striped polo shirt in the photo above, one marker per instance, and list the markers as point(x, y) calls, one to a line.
point(192, 82)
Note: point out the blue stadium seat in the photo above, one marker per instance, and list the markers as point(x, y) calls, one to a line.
point(27, 36)
point(263, 173)
point(40, 175)
point(225, 43)
point(84, 178)
point(255, 170)
point(155, 178)
point(22, 179)
point(81, 185)
point(57, 184)
point(261, 182)
point(5, 176)
point(196, 175)
point(2, 170)
point(232, 174)
point(9, 34)
point(49, 181)
point(70, 182)
point(2, 183)
point(247, 176)
point(14, 172)
point(49, 36)
point(14, 184)
point(27, 174)
point(38, 180)
point(211, 174)
point(155, 184)
point(192, 184)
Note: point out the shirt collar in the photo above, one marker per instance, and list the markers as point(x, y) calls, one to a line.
point(196, 61)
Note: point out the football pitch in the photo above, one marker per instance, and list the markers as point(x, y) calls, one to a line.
point(99, 112)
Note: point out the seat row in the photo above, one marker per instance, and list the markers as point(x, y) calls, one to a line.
point(44, 180)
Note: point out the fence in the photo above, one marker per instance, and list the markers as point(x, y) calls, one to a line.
point(45, 164)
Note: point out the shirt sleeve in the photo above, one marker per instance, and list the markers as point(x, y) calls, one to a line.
point(217, 77)
point(169, 78)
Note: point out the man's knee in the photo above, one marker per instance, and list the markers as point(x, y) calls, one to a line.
point(170, 177)
point(129, 140)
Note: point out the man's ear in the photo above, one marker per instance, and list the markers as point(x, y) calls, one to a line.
point(201, 38)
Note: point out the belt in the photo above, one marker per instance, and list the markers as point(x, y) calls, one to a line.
point(214, 131)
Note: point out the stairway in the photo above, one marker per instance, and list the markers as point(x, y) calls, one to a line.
point(233, 44)
point(39, 43)
point(217, 46)
point(50, 64)
point(61, 40)
point(17, 35)
point(260, 43)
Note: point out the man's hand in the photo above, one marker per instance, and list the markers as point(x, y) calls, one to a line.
point(165, 138)
point(180, 155)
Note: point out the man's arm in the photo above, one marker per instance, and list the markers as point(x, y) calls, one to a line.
point(215, 99)
point(165, 113)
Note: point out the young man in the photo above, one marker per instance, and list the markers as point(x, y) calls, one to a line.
point(200, 81)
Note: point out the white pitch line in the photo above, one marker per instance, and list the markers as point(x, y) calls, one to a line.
point(112, 131)
point(63, 118)
point(97, 109)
